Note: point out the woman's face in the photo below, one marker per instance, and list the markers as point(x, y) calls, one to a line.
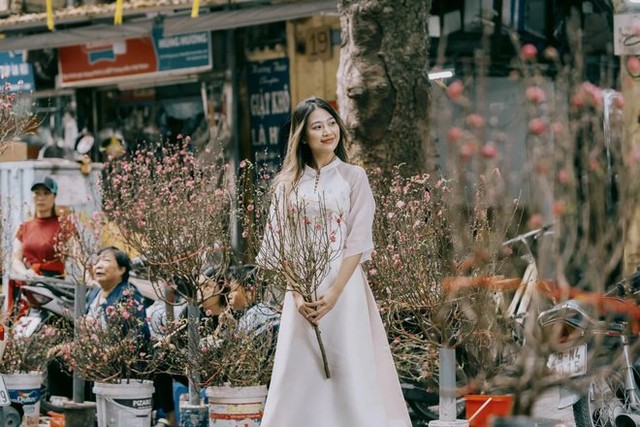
point(107, 272)
point(322, 133)
point(43, 199)
point(238, 298)
point(212, 299)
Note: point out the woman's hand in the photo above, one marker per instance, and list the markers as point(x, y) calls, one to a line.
point(323, 305)
point(303, 307)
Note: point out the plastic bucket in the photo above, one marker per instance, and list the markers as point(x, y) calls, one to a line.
point(484, 406)
point(124, 404)
point(236, 406)
point(25, 388)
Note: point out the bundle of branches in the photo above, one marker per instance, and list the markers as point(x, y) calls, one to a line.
point(176, 213)
point(227, 355)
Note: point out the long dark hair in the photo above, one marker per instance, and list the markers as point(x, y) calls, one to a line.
point(298, 154)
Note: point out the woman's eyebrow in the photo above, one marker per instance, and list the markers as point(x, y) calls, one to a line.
point(320, 121)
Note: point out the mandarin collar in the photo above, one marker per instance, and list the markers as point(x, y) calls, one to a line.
point(332, 164)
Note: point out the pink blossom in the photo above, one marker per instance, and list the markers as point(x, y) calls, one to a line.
point(618, 101)
point(558, 208)
point(535, 94)
point(535, 221)
point(537, 126)
point(489, 151)
point(373, 272)
point(390, 215)
point(454, 134)
point(455, 89)
point(563, 176)
point(245, 234)
point(250, 207)
point(400, 204)
point(243, 164)
point(633, 65)
point(475, 120)
point(529, 52)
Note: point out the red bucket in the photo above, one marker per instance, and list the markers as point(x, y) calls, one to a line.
point(481, 407)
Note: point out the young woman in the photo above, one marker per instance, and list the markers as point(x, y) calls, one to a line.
point(34, 247)
point(363, 390)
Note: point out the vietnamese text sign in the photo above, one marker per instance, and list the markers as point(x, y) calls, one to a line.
point(16, 72)
point(269, 108)
point(104, 62)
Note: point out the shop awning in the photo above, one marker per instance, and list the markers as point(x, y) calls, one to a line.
point(246, 17)
point(173, 25)
point(75, 36)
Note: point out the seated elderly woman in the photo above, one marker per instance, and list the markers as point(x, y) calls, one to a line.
point(111, 272)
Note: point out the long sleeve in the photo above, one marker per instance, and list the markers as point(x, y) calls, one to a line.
point(360, 219)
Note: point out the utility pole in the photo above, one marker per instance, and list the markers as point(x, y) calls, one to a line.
point(626, 27)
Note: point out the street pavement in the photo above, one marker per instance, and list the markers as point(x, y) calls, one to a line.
point(547, 407)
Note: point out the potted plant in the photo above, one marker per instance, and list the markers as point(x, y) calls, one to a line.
point(184, 235)
point(25, 357)
point(232, 364)
point(424, 235)
point(111, 351)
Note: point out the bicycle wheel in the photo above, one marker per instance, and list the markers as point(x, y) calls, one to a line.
point(606, 397)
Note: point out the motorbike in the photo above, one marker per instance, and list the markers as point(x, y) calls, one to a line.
point(587, 332)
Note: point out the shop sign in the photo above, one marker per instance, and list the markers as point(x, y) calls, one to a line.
point(16, 72)
point(109, 62)
point(269, 109)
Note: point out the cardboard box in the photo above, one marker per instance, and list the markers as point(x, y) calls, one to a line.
point(13, 151)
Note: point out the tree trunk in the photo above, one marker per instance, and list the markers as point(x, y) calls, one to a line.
point(630, 153)
point(383, 83)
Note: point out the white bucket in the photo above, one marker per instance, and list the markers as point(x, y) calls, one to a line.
point(236, 406)
point(124, 404)
point(25, 388)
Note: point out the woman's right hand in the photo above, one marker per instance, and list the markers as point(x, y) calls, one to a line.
point(302, 307)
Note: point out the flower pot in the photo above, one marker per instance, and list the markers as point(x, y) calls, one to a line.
point(124, 403)
point(25, 388)
point(236, 406)
point(482, 407)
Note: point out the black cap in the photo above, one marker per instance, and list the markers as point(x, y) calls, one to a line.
point(48, 182)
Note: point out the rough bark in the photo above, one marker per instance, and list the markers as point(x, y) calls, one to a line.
point(383, 84)
point(630, 176)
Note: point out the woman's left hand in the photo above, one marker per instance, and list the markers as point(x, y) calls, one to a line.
point(323, 305)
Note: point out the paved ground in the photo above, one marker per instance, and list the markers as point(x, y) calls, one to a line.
point(547, 407)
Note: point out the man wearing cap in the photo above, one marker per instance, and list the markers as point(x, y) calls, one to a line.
point(34, 248)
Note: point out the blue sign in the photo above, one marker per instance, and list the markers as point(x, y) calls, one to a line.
point(269, 109)
point(183, 51)
point(16, 72)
